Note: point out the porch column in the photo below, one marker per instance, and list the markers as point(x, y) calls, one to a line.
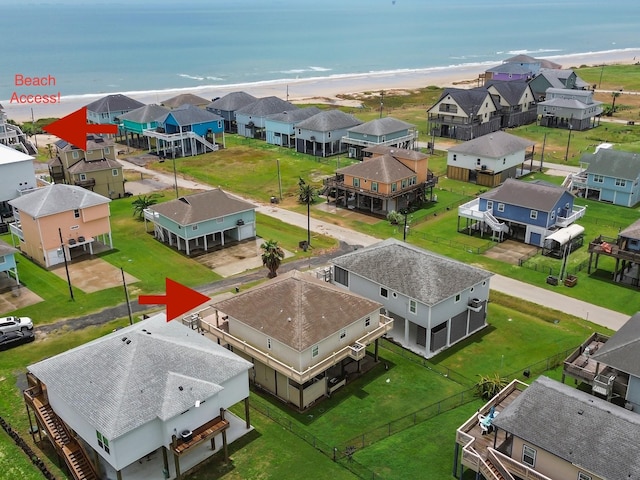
point(224, 439)
point(375, 351)
point(246, 413)
point(301, 395)
point(406, 331)
point(165, 459)
point(205, 244)
point(119, 474)
point(176, 459)
point(186, 245)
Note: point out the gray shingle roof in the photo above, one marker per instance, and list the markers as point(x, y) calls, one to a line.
point(199, 207)
point(521, 58)
point(417, 273)
point(94, 142)
point(57, 198)
point(232, 101)
point(382, 126)
point(510, 68)
point(184, 99)
point(266, 106)
point(590, 433)
point(294, 116)
point(613, 163)
point(6, 249)
point(382, 169)
point(190, 115)
point(114, 103)
point(329, 120)
point(469, 100)
point(622, 350)
point(632, 231)
point(536, 195)
point(117, 386)
point(86, 166)
point(145, 114)
point(297, 309)
point(511, 91)
point(493, 145)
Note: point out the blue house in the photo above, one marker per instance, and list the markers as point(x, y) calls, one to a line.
point(187, 130)
point(8, 262)
point(226, 107)
point(136, 121)
point(387, 131)
point(202, 221)
point(321, 135)
point(611, 176)
point(524, 211)
point(109, 108)
point(280, 127)
point(251, 119)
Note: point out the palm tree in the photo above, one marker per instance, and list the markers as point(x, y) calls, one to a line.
point(307, 195)
point(614, 95)
point(143, 202)
point(272, 257)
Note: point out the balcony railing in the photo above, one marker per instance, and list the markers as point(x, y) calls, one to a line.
point(577, 213)
point(410, 137)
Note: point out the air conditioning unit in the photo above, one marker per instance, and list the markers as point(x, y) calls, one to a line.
point(240, 222)
point(483, 167)
point(475, 303)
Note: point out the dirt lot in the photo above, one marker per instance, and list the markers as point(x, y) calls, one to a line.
point(93, 274)
point(510, 251)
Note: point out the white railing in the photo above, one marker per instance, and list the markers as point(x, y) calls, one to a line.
point(577, 213)
point(16, 229)
point(471, 210)
point(411, 137)
point(494, 223)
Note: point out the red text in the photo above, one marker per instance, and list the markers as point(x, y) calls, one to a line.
point(53, 98)
point(24, 81)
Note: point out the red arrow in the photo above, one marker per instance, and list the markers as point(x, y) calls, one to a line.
point(179, 299)
point(74, 128)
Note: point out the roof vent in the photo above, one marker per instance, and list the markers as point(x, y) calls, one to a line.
point(148, 333)
point(180, 388)
point(580, 412)
point(124, 339)
point(128, 342)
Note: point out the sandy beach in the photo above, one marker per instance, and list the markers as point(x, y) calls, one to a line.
point(321, 89)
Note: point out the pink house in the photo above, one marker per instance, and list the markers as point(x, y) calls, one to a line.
point(60, 220)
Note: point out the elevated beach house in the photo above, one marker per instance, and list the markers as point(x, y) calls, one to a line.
point(548, 431)
point(186, 130)
point(625, 249)
point(155, 411)
point(387, 131)
point(464, 114)
point(185, 99)
point(321, 135)
point(18, 176)
point(110, 107)
point(251, 119)
point(8, 265)
point(202, 221)
point(135, 122)
point(387, 179)
point(77, 215)
point(435, 301)
point(489, 160)
point(569, 108)
point(555, 78)
point(95, 168)
point(12, 136)
point(280, 127)
point(525, 211)
point(516, 100)
point(611, 176)
point(227, 106)
point(305, 337)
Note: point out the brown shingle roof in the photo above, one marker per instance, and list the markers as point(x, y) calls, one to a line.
point(383, 169)
point(297, 309)
point(199, 207)
point(632, 231)
point(85, 166)
point(185, 99)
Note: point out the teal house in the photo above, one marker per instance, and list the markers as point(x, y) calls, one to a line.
point(8, 264)
point(135, 122)
point(203, 221)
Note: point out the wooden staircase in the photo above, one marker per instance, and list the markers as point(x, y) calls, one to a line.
point(68, 447)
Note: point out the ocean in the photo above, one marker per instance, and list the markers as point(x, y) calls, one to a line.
point(140, 46)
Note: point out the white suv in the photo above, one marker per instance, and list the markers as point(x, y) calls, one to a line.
point(15, 324)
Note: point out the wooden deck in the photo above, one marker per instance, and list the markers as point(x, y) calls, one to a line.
point(202, 434)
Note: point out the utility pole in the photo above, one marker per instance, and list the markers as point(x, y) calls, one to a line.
point(566, 155)
point(601, 72)
point(126, 296)
point(544, 142)
point(175, 173)
point(66, 266)
point(279, 178)
point(381, 101)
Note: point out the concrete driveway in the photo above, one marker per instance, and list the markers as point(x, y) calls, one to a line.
point(93, 274)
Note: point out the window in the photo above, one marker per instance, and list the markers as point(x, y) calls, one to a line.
point(478, 161)
point(620, 182)
point(89, 152)
point(413, 307)
point(341, 276)
point(404, 183)
point(219, 219)
point(314, 351)
point(384, 292)
point(504, 161)
point(598, 179)
point(269, 343)
point(374, 186)
point(76, 213)
point(114, 172)
point(343, 333)
point(356, 182)
point(528, 456)
point(533, 215)
point(2, 259)
point(107, 150)
point(102, 441)
point(394, 187)
point(75, 154)
point(583, 476)
point(501, 207)
point(489, 204)
point(455, 157)
point(367, 322)
point(83, 177)
point(553, 215)
point(457, 297)
point(194, 227)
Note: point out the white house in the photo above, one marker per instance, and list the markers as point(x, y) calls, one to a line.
point(490, 159)
point(434, 301)
point(302, 334)
point(17, 173)
point(155, 385)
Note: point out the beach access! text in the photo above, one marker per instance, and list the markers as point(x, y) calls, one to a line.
point(21, 80)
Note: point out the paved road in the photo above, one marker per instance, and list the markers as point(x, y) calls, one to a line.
point(540, 296)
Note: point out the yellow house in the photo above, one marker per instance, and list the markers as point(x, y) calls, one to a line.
point(95, 168)
point(387, 179)
point(60, 221)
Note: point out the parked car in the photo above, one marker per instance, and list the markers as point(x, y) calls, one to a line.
point(13, 339)
point(15, 324)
